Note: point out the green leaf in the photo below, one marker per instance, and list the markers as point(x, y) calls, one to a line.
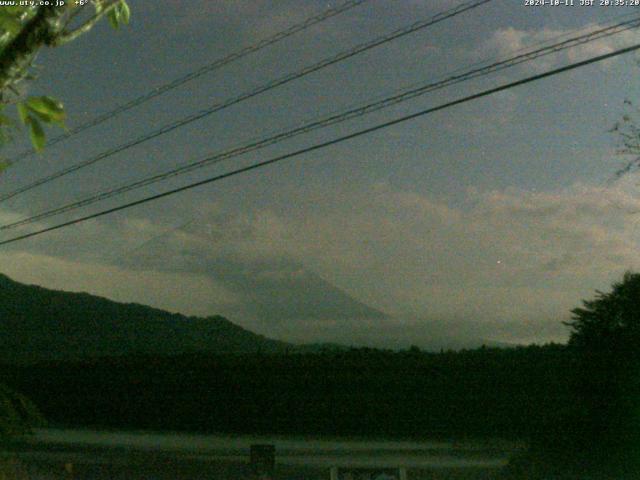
point(98, 6)
point(113, 17)
point(3, 165)
point(37, 133)
point(10, 25)
point(17, 11)
point(46, 104)
point(119, 14)
point(6, 121)
point(47, 109)
point(23, 112)
point(10, 21)
point(125, 12)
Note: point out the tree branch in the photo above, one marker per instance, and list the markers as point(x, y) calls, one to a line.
point(16, 57)
point(66, 37)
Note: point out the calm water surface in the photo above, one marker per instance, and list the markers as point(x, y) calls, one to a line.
point(320, 452)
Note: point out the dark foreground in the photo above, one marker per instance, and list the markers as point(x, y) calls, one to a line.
point(85, 454)
point(489, 393)
point(150, 466)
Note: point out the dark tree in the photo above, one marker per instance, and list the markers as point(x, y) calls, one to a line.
point(596, 434)
point(611, 322)
point(606, 339)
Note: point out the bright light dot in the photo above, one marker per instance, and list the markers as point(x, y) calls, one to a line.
point(499, 261)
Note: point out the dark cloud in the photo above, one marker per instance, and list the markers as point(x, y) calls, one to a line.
point(317, 249)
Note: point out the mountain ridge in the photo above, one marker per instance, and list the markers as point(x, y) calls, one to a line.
point(37, 323)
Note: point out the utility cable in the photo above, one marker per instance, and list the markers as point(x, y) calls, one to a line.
point(250, 94)
point(330, 120)
point(328, 143)
point(215, 65)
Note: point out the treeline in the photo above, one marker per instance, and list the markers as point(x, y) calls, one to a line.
point(511, 392)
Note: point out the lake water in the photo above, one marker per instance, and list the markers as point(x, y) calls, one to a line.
point(142, 455)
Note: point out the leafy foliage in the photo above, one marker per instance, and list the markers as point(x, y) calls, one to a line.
point(602, 431)
point(12, 21)
point(606, 337)
point(23, 31)
point(364, 392)
point(37, 110)
point(18, 415)
point(119, 15)
point(611, 322)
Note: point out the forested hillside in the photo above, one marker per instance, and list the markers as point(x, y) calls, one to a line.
point(484, 392)
point(37, 324)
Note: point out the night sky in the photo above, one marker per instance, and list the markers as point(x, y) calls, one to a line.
point(487, 221)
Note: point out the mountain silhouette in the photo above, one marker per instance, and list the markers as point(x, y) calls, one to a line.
point(41, 324)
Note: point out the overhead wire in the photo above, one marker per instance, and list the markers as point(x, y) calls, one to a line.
point(548, 40)
point(215, 65)
point(328, 143)
point(395, 34)
point(358, 111)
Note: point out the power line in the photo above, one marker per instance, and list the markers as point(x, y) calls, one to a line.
point(613, 20)
point(215, 65)
point(359, 111)
point(253, 93)
point(548, 41)
point(333, 119)
point(328, 143)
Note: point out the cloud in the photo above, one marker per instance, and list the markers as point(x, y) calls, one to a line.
point(507, 42)
point(256, 19)
point(176, 292)
point(506, 265)
point(508, 255)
